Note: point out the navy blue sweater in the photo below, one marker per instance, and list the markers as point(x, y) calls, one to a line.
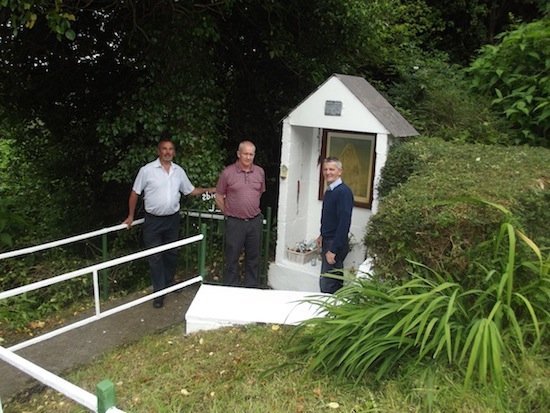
point(336, 216)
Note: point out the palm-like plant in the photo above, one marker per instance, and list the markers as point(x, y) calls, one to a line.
point(368, 326)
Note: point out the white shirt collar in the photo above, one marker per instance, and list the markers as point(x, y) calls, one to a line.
point(159, 165)
point(335, 184)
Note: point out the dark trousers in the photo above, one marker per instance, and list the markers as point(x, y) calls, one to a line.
point(159, 231)
point(328, 284)
point(241, 234)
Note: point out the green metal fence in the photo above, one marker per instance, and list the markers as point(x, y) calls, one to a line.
point(206, 258)
point(212, 225)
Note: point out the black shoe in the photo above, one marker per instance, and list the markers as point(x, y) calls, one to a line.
point(158, 302)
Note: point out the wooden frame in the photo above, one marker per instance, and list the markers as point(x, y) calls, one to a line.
point(357, 153)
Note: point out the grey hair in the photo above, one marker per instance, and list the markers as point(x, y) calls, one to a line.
point(333, 159)
point(246, 143)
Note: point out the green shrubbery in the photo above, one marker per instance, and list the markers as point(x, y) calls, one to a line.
point(481, 331)
point(514, 74)
point(436, 97)
point(9, 222)
point(411, 224)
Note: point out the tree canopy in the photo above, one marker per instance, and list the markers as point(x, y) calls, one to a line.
point(88, 88)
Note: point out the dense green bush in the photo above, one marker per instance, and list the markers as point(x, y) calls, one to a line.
point(439, 102)
point(9, 222)
point(514, 74)
point(420, 173)
point(433, 321)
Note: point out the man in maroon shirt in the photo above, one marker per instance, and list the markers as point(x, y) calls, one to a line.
point(238, 192)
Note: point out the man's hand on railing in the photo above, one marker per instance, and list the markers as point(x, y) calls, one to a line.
point(128, 221)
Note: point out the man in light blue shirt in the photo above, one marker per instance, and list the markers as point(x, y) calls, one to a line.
point(161, 182)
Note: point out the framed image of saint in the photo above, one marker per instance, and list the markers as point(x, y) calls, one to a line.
point(357, 152)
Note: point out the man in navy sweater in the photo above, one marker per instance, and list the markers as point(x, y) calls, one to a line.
point(335, 223)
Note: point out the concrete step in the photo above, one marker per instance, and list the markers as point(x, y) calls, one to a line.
point(216, 306)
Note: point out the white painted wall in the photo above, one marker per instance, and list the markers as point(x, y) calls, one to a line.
point(355, 117)
point(299, 212)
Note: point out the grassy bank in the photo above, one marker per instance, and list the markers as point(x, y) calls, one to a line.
point(247, 369)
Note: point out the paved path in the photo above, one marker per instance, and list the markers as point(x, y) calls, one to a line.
point(82, 345)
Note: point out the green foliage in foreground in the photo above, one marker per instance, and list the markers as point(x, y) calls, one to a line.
point(238, 369)
point(212, 371)
point(484, 332)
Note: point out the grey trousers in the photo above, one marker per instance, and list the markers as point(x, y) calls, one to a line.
point(241, 234)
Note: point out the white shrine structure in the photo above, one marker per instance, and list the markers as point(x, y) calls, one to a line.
point(348, 118)
point(345, 117)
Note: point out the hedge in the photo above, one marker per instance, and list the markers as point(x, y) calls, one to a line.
point(420, 172)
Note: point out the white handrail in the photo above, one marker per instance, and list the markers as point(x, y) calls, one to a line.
point(79, 395)
point(72, 391)
point(99, 315)
point(23, 251)
point(211, 215)
point(97, 267)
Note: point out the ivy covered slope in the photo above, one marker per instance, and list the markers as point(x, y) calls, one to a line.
point(419, 174)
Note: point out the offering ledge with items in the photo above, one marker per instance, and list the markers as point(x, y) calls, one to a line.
point(304, 252)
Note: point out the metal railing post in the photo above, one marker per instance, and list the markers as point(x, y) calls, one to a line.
point(105, 392)
point(267, 237)
point(202, 253)
point(186, 230)
point(104, 279)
